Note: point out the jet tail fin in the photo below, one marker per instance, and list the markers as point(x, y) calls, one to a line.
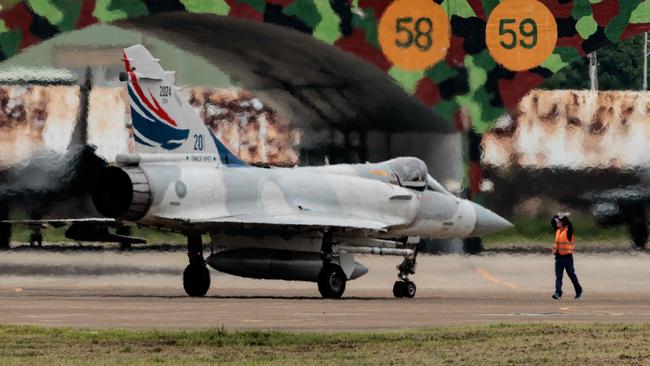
point(163, 121)
point(80, 132)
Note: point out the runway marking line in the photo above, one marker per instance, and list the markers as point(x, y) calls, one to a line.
point(488, 276)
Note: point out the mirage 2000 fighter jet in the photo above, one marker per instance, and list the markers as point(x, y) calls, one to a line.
point(303, 223)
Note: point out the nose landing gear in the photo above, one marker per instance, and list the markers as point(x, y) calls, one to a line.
point(405, 287)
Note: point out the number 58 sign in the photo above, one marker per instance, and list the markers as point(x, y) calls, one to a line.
point(521, 34)
point(414, 34)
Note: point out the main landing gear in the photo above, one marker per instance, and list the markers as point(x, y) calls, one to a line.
point(331, 279)
point(196, 277)
point(404, 287)
point(36, 238)
point(637, 227)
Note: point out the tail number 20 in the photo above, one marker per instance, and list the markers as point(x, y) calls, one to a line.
point(198, 142)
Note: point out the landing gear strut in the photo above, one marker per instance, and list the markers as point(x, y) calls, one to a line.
point(36, 238)
point(639, 233)
point(405, 287)
point(196, 277)
point(638, 227)
point(331, 279)
point(125, 231)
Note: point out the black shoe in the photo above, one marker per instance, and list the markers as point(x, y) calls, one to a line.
point(557, 296)
point(578, 295)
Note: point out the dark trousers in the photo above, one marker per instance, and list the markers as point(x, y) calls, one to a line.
point(562, 263)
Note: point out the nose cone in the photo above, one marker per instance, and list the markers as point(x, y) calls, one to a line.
point(488, 222)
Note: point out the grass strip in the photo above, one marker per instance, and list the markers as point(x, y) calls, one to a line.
point(544, 343)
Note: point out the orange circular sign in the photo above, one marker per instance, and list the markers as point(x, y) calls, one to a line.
point(521, 34)
point(414, 34)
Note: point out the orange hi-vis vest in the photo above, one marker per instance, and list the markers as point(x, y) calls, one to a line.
point(562, 244)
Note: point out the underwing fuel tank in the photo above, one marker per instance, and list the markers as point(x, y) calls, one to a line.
point(273, 264)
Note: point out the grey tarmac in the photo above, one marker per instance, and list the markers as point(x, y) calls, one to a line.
point(142, 289)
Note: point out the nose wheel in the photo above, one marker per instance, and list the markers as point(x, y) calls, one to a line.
point(404, 289)
point(196, 277)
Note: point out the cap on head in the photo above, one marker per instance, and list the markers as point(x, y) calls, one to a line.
point(563, 218)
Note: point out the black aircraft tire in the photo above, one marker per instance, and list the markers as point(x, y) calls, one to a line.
point(472, 245)
point(409, 289)
point(5, 235)
point(637, 226)
point(331, 282)
point(639, 234)
point(196, 280)
point(399, 290)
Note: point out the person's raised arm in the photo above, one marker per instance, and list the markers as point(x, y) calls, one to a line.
point(569, 230)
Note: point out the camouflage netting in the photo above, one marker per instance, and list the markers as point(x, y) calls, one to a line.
point(468, 80)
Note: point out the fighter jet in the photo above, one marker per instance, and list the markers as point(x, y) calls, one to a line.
point(626, 204)
point(53, 189)
point(300, 223)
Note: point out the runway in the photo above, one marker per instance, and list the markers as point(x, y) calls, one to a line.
point(142, 289)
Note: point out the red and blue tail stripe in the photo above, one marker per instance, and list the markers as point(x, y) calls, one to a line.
point(152, 124)
point(152, 131)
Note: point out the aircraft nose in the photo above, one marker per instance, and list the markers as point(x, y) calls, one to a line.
point(488, 222)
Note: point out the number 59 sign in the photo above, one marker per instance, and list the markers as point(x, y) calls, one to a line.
point(414, 34)
point(521, 34)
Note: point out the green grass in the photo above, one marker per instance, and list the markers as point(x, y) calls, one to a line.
point(538, 230)
point(551, 344)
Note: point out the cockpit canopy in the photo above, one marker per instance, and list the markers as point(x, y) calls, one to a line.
point(411, 172)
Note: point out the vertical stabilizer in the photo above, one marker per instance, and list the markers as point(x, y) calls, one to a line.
point(80, 132)
point(163, 121)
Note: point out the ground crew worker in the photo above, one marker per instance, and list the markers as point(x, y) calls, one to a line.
point(563, 250)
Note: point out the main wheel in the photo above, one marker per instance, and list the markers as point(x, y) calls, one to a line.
point(331, 281)
point(399, 289)
point(639, 233)
point(196, 280)
point(5, 234)
point(472, 245)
